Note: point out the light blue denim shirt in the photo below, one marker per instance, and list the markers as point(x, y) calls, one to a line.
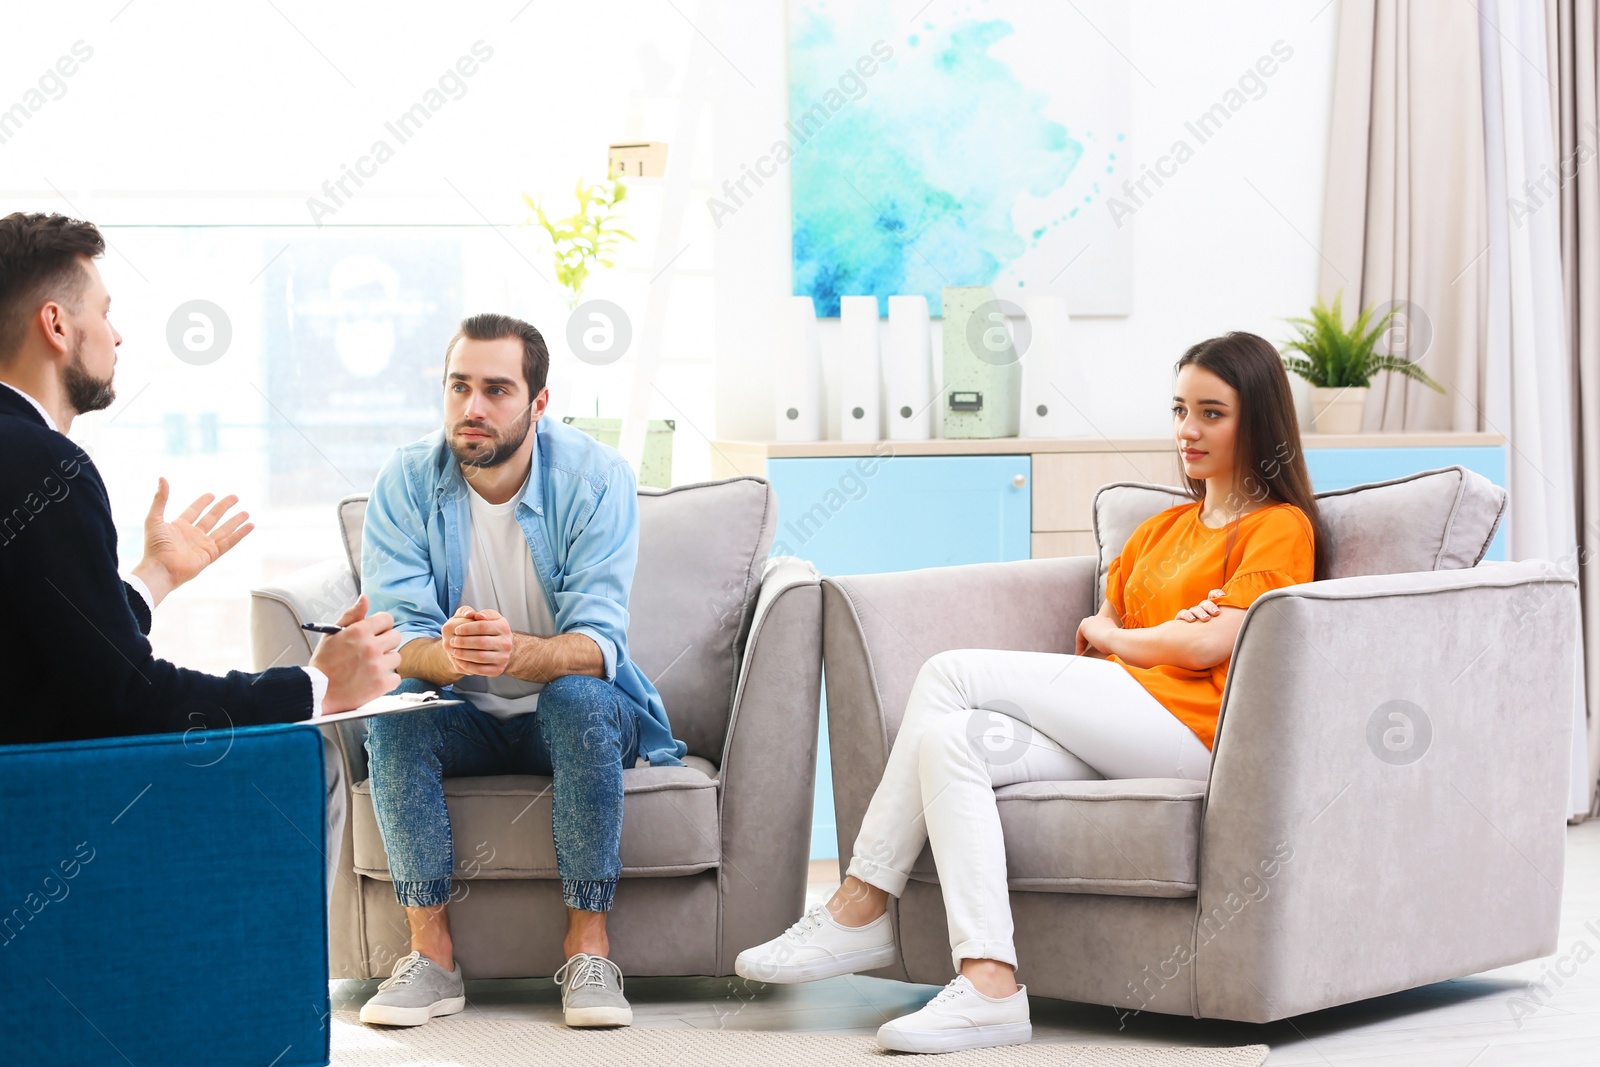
point(580, 514)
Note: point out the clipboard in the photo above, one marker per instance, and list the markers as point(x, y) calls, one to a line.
point(389, 704)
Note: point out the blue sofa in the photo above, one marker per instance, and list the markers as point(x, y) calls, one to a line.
point(163, 900)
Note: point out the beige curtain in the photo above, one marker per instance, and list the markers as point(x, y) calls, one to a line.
point(1425, 205)
point(1529, 388)
point(1574, 33)
point(1404, 214)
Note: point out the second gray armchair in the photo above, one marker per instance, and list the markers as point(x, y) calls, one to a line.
point(1386, 804)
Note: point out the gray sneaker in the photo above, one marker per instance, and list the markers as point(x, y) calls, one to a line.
point(591, 992)
point(418, 990)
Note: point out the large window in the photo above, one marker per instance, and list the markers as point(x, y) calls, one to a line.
point(284, 323)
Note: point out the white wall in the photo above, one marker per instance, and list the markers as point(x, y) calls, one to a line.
point(1228, 242)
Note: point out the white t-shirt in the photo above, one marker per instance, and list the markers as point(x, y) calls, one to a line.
point(501, 575)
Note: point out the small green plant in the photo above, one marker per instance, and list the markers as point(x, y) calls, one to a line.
point(587, 237)
point(1332, 356)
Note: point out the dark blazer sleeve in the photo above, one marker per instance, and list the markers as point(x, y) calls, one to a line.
point(78, 654)
point(141, 609)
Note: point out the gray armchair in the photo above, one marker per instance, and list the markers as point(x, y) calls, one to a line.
point(1386, 799)
point(714, 854)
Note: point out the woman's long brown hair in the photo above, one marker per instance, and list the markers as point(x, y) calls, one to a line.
point(1268, 464)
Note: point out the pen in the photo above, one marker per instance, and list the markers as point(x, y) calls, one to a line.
point(317, 627)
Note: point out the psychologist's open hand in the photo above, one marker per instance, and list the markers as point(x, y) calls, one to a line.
point(477, 642)
point(1203, 611)
point(177, 549)
point(361, 661)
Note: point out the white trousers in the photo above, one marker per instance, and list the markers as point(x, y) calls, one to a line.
point(978, 719)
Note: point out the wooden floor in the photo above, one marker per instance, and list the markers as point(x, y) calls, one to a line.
point(1470, 1022)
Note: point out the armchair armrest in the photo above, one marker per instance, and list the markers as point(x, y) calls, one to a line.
point(879, 629)
point(1387, 802)
point(216, 842)
point(317, 593)
point(769, 760)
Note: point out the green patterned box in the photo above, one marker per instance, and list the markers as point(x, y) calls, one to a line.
point(656, 470)
point(982, 376)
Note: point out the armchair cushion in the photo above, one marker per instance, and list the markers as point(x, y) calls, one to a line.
point(1433, 520)
point(501, 824)
point(1127, 837)
point(1440, 520)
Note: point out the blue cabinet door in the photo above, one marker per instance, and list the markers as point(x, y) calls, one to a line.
point(1340, 468)
point(870, 514)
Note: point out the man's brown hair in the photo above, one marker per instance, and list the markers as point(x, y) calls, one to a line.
point(39, 262)
point(492, 327)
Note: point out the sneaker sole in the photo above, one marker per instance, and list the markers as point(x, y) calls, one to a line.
point(393, 1015)
point(955, 1040)
point(816, 970)
point(599, 1016)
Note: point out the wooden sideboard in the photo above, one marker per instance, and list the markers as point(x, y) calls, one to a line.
point(1065, 472)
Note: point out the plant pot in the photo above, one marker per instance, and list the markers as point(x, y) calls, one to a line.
point(1337, 410)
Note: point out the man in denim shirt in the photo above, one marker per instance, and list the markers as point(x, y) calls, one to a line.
point(504, 547)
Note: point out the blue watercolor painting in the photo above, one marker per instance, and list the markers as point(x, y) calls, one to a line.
point(939, 151)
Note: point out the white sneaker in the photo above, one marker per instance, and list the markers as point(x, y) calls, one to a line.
point(958, 1018)
point(817, 947)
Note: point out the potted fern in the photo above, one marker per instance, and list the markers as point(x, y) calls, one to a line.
point(1339, 363)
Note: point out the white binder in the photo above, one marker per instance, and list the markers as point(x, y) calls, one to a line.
point(908, 370)
point(797, 387)
point(860, 370)
point(1055, 391)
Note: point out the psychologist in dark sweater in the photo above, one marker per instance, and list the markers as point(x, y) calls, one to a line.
point(73, 646)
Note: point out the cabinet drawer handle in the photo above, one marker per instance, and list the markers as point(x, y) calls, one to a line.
point(1019, 480)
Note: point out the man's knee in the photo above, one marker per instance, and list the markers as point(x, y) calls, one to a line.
point(580, 714)
point(576, 696)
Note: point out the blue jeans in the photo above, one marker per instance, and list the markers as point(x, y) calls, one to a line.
point(583, 734)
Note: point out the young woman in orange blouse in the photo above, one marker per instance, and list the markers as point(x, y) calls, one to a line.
point(1138, 699)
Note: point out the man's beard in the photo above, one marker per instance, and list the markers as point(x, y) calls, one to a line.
point(499, 449)
point(85, 392)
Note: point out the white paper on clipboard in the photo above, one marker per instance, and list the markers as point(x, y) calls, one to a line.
point(386, 705)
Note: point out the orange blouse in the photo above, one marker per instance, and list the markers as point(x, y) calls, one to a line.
point(1173, 560)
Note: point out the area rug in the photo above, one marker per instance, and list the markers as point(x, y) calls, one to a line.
point(468, 1042)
